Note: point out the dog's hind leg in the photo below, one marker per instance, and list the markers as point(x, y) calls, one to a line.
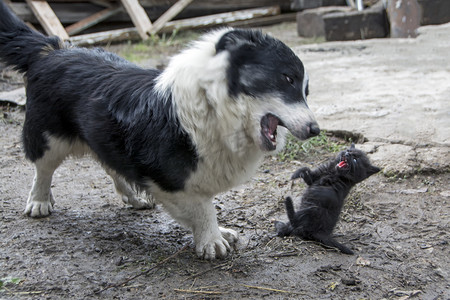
point(128, 194)
point(40, 201)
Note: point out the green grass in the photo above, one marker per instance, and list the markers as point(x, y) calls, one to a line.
point(8, 280)
point(157, 46)
point(319, 145)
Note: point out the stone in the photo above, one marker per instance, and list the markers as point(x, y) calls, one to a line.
point(310, 22)
point(355, 25)
point(404, 18)
point(435, 12)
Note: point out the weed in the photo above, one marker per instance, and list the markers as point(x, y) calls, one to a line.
point(8, 280)
point(156, 46)
point(321, 144)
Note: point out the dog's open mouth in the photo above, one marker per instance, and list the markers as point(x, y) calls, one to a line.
point(269, 124)
point(343, 163)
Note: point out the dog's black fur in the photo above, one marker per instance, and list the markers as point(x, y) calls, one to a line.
point(180, 135)
point(321, 204)
point(102, 99)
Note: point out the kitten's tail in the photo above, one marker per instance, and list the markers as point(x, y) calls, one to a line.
point(290, 210)
point(329, 241)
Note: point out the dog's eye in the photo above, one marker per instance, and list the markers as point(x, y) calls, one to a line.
point(289, 79)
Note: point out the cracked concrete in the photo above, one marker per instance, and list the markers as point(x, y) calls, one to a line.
point(395, 92)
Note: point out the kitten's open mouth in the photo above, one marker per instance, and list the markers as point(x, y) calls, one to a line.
point(269, 124)
point(343, 163)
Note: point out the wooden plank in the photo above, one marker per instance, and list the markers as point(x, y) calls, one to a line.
point(265, 21)
point(77, 11)
point(221, 19)
point(132, 33)
point(47, 18)
point(138, 16)
point(169, 15)
point(92, 20)
point(118, 35)
point(17, 96)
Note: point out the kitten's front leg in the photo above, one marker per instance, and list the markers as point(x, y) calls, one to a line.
point(304, 173)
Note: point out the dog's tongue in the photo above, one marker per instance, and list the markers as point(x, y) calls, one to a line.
point(342, 164)
point(269, 125)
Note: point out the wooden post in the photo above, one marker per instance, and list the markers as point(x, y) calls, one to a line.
point(46, 16)
point(169, 15)
point(139, 17)
point(92, 20)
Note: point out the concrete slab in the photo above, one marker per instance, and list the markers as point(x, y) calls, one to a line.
point(396, 92)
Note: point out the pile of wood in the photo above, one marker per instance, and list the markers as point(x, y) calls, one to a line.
point(340, 20)
point(79, 20)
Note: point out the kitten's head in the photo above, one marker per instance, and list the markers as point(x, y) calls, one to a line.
point(354, 165)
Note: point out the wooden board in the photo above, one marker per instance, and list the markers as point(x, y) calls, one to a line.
point(47, 18)
point(92, 20)
point(169, 15)
point(245, 16)
point(138, 16)
point(221, 19)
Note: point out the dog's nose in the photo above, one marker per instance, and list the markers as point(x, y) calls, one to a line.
point(313, 129)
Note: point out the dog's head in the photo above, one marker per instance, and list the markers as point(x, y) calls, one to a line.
point(241, 84)
point(263, 70)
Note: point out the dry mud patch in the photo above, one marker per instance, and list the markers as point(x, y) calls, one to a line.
point(92, 242)
point(398, 226)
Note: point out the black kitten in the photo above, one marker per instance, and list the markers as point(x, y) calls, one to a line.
point(328, 185)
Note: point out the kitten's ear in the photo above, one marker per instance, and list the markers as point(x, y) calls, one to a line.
point(372, 170)
point(352, 146)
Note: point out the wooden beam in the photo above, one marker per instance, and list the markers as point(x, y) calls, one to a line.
point(47, 18)
point(132, 34)
point(265, 21)
point(138, 16)
point(92, 20)
point(118, 35)
point(169, 15)
point(221, 19)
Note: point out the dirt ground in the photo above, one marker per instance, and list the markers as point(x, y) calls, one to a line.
point(92, 246)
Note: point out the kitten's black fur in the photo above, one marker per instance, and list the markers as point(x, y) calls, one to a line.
point(328, 185)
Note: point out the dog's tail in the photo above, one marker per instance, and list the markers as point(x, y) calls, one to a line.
point(20, 46)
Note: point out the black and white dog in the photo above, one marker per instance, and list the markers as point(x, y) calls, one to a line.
point(181, 135)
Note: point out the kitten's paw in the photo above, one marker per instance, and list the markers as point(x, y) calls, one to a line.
point(303, 173)
point(211, 247)
point(283, 229)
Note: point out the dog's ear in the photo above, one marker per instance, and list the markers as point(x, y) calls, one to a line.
point(237, 39)
point(352, 146)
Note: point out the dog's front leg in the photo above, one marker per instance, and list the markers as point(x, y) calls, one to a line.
point(211, 241)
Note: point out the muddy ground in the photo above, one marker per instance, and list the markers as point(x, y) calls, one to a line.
point(93, 246)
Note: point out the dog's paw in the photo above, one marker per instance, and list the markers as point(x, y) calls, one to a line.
point(39, 204)
point(139, 202)
point(212, 247)
point(38, 209)
point(230, 235)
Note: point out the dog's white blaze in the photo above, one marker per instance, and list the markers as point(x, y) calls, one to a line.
point(305, 84)
point(218, 125)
